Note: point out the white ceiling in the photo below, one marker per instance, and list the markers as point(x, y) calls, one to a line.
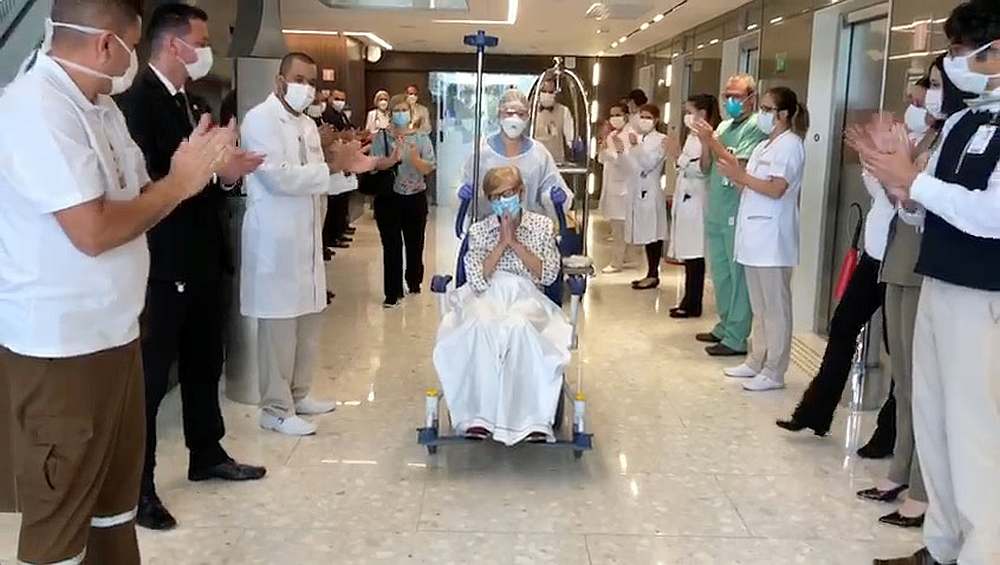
point(549, 27)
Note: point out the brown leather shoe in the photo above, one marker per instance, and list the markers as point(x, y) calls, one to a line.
point(922, 557)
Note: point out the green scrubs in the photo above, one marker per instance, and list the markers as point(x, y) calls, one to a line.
point(731, 298)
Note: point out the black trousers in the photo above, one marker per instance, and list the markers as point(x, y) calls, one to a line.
point(401, 221)
point(863, 297)
point(335, 223)
point(184, 324)
point(694, 286)
point(654, 253)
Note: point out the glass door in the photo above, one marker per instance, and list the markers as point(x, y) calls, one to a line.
point(455, 97)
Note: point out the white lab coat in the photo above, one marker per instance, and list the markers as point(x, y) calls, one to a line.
point(617, 174)
point(647, 215)
point(377, 120)
point(281, 271)
point(767, 229)
point(687, 230)
point(538, 171)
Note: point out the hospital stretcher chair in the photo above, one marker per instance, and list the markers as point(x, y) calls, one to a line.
point(574, 274)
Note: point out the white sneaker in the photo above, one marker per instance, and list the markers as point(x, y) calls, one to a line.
point(310, 407)
point(610, 269)
point(741, 372)
point(762, 383)
point(290, 426)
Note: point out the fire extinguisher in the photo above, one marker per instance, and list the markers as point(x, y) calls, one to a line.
point(850, 263)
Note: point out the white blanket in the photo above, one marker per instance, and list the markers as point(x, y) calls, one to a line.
point(500, 356)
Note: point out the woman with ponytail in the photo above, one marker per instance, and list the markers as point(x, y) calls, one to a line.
point(767, 234)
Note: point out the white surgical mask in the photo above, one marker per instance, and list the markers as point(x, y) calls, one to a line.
point(119, 83)
point(513, 126)
point(617, 122)
point(338, 105)
point(689, 121)
point(765, 122)
point(547, 99)
point(382, 104)
point(315, 110)
point(957, 69)
point(646, 124)
point(202, 64)
point(299, 96)
point(915, 119)
point(933, 102)
point(411, 99)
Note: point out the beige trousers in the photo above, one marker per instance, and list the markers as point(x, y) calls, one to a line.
point(619, 249)
point(900, 318)
point(286, 357)
point(771, 334)
point(956, 418)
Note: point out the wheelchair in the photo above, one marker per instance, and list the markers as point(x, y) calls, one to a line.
point(575, 271)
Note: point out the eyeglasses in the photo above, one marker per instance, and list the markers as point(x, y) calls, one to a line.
point(766, 108)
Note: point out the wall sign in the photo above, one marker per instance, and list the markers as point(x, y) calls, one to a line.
point(781, 62)
point(329, 75)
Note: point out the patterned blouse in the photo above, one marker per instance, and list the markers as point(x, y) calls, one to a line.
point(536, 232)
point(408, 179)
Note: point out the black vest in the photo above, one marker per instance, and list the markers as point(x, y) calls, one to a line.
point(947, 253)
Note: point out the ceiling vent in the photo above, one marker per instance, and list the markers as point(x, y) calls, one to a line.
point(618, 10)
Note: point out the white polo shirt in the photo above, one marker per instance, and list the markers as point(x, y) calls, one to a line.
point(59, 150)
point(767, 229)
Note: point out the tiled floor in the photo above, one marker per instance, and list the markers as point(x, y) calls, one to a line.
point(687, 467)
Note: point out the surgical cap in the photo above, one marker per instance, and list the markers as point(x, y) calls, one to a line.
point(513, 99)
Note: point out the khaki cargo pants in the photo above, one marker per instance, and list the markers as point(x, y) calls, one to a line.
point(79, 433)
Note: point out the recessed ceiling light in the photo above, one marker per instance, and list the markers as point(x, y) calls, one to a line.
point(776, 20)
point(644, 26)
point(614, 44)
point(713, 42)
point(658, 17)
point(623, 39)
point(752, 27)
point(600, 53)
point(701, 46)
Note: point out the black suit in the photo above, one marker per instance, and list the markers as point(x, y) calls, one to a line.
point(338, 209)
point(184, 316)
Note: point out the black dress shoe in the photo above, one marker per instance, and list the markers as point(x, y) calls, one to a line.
point(794, 425)
point(719, 350)
point(882, 495)
point(708, 337)
point(922, 557)
point(345, 239)
point(340, 244)
point(328, 254)
point(329, 297)
point(228, 471)
point(153, 515)
point(351, 230)
point(415, 289)
point(897, 519)
point(875, 450)
point(683, 314)
point(646, 284)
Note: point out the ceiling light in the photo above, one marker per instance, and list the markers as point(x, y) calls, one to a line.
point(600, 53)
point(701, 46)
point(752, 27)
point(614, 44)
point(511, 17)
point(644, 26)
point(714, 41)
point(623, 39)
point(778, 19)
point(371, 37)
point(657, 18)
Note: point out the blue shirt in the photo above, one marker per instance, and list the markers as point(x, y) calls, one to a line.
point(408, 179)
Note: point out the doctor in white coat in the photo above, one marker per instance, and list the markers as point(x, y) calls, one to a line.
point(646, 222)
point(687, 228)
point(282, 278)
point(615, 185)
point(767, 234)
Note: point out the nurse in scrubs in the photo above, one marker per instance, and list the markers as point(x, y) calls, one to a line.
point(510, 147)
point(767, 234)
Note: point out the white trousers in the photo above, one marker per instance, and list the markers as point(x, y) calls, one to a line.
point(956, 413)
point(286, 358)
point(770, 291)
point(619, 249)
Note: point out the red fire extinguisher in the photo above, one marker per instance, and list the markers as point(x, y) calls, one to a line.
point(850, 263)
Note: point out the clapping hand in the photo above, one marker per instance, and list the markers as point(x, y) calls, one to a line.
point(199, 157)
point(730, 168)
point(633, 139)
point(618, 143)
point(327, 135)
point(703, 130)
point(672, 146)
point(886, 153)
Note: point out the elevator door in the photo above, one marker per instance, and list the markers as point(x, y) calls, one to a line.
point(861, 87)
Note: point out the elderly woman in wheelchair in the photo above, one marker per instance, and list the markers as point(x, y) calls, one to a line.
point(503, 345)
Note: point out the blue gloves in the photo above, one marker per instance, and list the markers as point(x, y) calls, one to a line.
point(465, 193)
point(558, 195)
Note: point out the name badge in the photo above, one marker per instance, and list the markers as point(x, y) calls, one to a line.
point(982, 139)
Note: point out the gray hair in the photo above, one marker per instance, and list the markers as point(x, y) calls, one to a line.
point(513, 97)
point(748, 80)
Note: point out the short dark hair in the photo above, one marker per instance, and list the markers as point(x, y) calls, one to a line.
point(286, 61)
point(638, 97)
point(923, 82)
point(652, 109)
point(174, 18)
point(620, 105)
point(786, 99)
point(114, 15)
point(974, 23)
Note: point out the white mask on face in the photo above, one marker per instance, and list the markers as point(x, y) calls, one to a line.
point(513, 126)
point(915, 119)
point(338, 105)
point(299, 96)
point(933, 102)
point(383, 105)
point(646, 124)
point(119, 83)
point(689, 121)
point(315, 110)
point(765, 122)
point(957, 69)
point(617, 122)
point(202, 63)
point(547, 99)
point(411, 99)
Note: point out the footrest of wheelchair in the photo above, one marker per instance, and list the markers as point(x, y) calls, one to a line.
point(439, 283)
